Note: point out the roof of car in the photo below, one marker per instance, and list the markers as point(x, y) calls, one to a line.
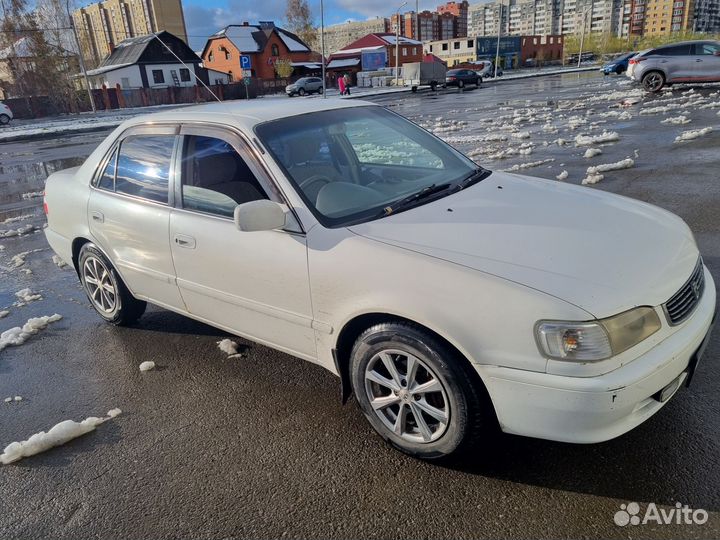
point(249, 113)
point(689, 42)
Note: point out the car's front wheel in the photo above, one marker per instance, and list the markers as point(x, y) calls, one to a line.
point(106, 291)
point(4, 119)
point(653, 81)
point(301, 92)
point(416, 392)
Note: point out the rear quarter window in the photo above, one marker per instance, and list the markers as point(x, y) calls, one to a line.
point(143, 166)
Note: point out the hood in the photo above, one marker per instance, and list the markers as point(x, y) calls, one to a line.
point(601, 252)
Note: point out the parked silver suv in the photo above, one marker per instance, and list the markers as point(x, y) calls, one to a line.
point(688, 61)
point(305, 85)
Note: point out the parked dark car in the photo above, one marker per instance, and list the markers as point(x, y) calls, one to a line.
point(618, 65)
point(462, 77)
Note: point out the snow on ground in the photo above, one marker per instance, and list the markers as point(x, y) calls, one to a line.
point(58, 435)
point(592, 152)
point(59, 262)
point(692, 134)
point(32, 195)
point(19, 335)
point(25, 296)
point(4, 313)
point(676, 120)
point(605, 167)
point(529, 165)
point(17, 218)
point(27, 229)
point(229, 347)
point(147, 366)
point(18, 260)
point(562, 176)
point(592, 179)
point(604, 137)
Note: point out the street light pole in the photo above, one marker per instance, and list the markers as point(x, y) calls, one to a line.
point(397, 43)
point(582, 36)
point(497, 50)
point(322, 44)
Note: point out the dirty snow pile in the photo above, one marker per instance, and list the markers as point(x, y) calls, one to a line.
point(592, 179)
point(16, 398)
point(59, 262)
point(32, 195)
point(18, 260)
point(529, 165)
point(4, 313)
point(147, 366)
point(692, 134)
point(25, 296)
point(605, 167)
point(562, 176)
point(230, 348)
point(17, 218)
point(604, 137)
point(676, 120)
point(592, 152)
point(58, 435)
point(27, 229)
point(17, 336)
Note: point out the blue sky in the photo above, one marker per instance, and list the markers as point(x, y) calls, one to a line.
point(205, 18)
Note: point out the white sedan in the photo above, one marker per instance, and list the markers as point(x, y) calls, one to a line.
point(448, 298)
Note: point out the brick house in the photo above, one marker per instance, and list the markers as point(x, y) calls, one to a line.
point(349, 59)
point(264, 43)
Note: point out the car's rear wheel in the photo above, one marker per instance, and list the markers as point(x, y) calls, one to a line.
point(301, 91)
point(106, 291)
point(433, 85)
point(461, 84)
point(653, 81)
point(4, 119)
point(416, 392)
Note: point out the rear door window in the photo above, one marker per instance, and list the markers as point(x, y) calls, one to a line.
point(677, 50)
point(143, 166)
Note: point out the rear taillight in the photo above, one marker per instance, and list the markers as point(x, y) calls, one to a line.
point(451, 78)
point(637, 60)
point(45, 206)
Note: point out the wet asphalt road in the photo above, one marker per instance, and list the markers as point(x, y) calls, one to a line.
point(259, 447)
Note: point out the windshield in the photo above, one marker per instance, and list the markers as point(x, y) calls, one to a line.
point(350, 164)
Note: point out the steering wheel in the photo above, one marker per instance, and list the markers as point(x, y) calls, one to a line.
point(313, 179)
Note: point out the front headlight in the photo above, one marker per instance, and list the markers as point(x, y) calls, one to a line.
point(596, 340)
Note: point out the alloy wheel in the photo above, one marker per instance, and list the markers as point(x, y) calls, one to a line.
point(407, 396)
point(99, 285)
point(653, 82)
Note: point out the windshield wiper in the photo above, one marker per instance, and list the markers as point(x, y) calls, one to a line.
point(472, 178)
point(410, 200)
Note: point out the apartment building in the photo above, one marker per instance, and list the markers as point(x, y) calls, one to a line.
point(459, 10)
point(665, 16)
point(453, 51)
point(707, 16)
point(101, 26)
point(339, 36)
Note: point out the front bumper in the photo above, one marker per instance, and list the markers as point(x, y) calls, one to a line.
point(596, 409)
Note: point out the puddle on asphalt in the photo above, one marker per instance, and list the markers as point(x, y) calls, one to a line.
point(27, 177)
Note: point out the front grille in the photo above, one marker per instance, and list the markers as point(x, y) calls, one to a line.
point(684, 302)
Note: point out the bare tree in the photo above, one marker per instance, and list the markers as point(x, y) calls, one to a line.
point(283, 67)
point(299, 20)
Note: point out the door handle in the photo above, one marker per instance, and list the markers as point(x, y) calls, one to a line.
point(185, 241)
point(97, 216)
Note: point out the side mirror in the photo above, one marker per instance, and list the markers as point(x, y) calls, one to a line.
point(262, 215)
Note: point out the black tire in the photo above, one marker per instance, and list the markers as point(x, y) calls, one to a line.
point(4, 119)
point(653, 81)
point(619, 70)
point(301, 92)
point(478, 82)
point(433, 85)
point(461, 84)
point(463, 398)
point(125, 309)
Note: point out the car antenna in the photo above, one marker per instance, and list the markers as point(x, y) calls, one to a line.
point(198, 79)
